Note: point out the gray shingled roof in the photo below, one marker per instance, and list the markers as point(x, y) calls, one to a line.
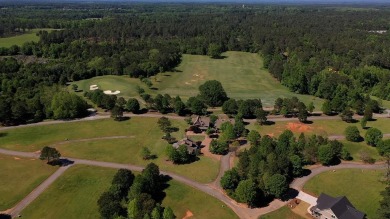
point(341, 207)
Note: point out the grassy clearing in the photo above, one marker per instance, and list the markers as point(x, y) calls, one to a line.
point(356, 148)
point(78, 190)
point(21, 39)
point(283, 212)
point(144, 132)
point(18, 177)
point(240, 73)
point(319, 127)
point(183, 198)
point(348, 183)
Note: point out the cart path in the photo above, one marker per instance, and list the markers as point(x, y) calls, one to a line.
point(241, 210)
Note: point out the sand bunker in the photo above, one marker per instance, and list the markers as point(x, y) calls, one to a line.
point(93, 87)
point(188, 214)
point(110, 92)
point(16, 158)
point(187, 83)
point(298, 127)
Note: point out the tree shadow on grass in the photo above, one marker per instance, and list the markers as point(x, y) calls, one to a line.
point(159, 196)
point(3, 134)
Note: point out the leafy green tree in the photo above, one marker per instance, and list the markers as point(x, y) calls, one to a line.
point(384, 147)
point(213, 119)
point(239, 128)
point(384, 205)
point(254, 137)
point(352, 134)
point(230, 107)
point(165, 124)
point(246, 192)
point(65, 105)
point(297, 166)
point(219, 147)
point(230, 179)
point(347, 115)
point(261, 116)
point(196, 106)
point(214, 50)
point(373, 136)
point(121, 102)
point(49, 153)
point(345, 155)
point(212, 93)
point(132, 105)
point(278, 104)
point(109, 205)
point(302, 112)
point(368, 113)
point(151, 175)
point(277, 185)
point(168, 213)
point(284, 112)
point(326, 155)
point(157, 212)
point(145, 153)
point(363, 123)
point(228, 133)
point(179, 107)
point(311, 107)
point(183, 155)
point(75, 87)
point(327, 108)
point(123, 179)
point(117, 113)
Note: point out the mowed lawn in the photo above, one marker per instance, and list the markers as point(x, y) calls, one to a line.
point(182, 198)
point(75, 195)
point(241, 74)
point(356, 148)
point(282, 213)
point(30, 36)
point(362, 187)
point(319, 127)
point(20, 176)
point(141, 132)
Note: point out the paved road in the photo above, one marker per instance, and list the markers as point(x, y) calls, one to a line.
point(224, 166)
point(15, 211)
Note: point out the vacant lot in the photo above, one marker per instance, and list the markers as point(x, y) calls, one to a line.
point(319, 127)
point(139, 132)
point(18, 177)
point(240, 73)
point(21, 39)
point(74, 195)
point(348, 183)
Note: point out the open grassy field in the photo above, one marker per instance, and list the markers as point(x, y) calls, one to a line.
point(21, 39)
point(283, 212)
point(183, 198)
point(142, 132)
point(319, 127)
point(240, 73)
point(362, 187)
point(74, 195)
point(20, 176)
point(355, 148)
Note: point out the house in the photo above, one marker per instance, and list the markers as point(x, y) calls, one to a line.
point(202, 122)
point(192, 148)
point(339, 208)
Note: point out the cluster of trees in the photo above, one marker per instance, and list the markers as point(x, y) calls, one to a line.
point(246, 108)
point(265, 170)
point(50, 154)
point(135, 197)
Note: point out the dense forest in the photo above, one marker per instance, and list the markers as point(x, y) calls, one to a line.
point(331, 53)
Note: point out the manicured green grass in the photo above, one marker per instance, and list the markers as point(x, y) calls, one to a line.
point(240, 73)
point(355, 148)
point(21, 39)
point(20, 176)
point(362, 187)
point(143, 132)
point(182, 198)
point(75, 194)
point(283, 212)
point(319, 127)
point(196, 138)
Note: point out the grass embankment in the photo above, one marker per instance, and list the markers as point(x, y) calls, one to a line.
point(20, 176)
point(19, 40)
point(362, 187)
point(75, 195)
point(240, 73)
point(283, 212)
point(142, 132)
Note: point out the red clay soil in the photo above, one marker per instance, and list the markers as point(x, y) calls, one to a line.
point(298, 127)
point(189, 214)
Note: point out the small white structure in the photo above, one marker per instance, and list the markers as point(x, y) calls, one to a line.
point(93, 87)
point(110, 92)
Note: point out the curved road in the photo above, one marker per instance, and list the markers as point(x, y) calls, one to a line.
point(241, 210)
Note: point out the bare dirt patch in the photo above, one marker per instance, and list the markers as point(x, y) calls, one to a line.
point(298, 127)
point(188, 214)
point(16, 158)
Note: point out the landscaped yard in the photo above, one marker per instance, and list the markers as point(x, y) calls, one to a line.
point(141, 132)
point(319, 127)
point(357, 148)
point(283, 212)
point(21, 39)
point(20, 176)
point(362, 187)
point(240, 73)
point(75, 194)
